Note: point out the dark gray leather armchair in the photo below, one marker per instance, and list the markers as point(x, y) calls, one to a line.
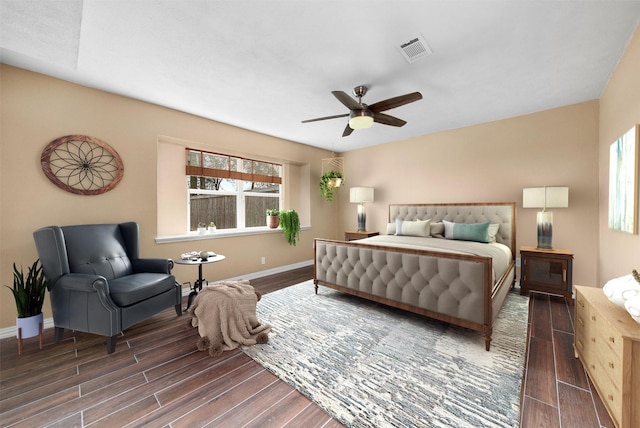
point(98, 283)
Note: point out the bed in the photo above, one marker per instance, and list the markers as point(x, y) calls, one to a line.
point(451, 262)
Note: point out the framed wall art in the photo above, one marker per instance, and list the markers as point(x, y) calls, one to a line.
point(623, 182)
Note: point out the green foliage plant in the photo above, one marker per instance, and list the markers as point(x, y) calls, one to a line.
point(273, 212)
point(28, 292)
point(327, 187)
point(290, 224)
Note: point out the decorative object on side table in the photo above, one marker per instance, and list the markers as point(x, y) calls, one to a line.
point(29, 296)
point(547, 271)
point(360, 195)
point(545, 197)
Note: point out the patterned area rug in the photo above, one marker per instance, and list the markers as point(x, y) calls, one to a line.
point(369, 365)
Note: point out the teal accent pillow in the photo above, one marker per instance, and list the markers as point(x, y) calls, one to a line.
point(478, 232)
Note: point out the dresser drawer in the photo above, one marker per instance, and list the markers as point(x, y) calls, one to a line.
point(581, 317)
point(609, 393)
point(601, 333)
point(608, 363)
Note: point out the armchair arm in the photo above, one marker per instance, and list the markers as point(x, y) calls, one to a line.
point(152, 265)
point(83, 282)
point(82, 302)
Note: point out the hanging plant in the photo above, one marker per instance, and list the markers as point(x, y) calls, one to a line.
point(290, 225)
point(329, 182)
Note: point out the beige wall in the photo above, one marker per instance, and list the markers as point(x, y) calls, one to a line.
point(493, 162)
point(487, 162)
point(619, 111)
point(36, 109)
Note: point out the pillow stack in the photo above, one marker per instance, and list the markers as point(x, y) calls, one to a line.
point(477, 232)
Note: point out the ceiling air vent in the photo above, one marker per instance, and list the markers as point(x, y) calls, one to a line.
point(414, 49)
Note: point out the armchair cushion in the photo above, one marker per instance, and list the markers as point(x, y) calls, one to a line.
point(131, 289)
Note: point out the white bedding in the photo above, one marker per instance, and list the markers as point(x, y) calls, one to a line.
point(499, 253)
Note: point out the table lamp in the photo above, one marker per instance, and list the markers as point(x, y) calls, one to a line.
point(360, 195)
point(545, 197)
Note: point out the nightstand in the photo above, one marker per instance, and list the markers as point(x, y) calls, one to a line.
point(353, 236)
point(547, 271)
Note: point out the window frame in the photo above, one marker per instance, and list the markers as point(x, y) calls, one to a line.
point(240, 178)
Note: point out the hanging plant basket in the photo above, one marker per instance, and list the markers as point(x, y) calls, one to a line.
point(329, 183)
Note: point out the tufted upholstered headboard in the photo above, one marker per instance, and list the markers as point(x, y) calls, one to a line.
point(503, 213)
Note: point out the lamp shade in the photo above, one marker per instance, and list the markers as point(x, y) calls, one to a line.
point(361, 194)
point(545, 197)
point(360, 119)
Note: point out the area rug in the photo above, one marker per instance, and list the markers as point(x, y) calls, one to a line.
point(369, 365)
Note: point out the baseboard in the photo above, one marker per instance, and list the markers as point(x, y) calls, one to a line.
point(48, 322)
point(11, 331)
point(260, 274)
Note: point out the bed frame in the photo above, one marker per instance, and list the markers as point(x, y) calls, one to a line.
point(455, 288)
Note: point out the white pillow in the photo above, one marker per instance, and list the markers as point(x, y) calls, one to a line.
point(412, 228)
point(391, 228)
point(493, 231)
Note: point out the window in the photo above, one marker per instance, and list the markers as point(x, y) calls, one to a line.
point(231, 191)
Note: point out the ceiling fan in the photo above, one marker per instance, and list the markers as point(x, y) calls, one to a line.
point(362, 115)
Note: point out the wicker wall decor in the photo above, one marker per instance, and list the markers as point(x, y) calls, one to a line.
point(82, 165)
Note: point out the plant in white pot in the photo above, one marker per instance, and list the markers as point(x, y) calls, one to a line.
point(28, 293)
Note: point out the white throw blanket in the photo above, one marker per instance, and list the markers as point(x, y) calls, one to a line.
point(225, 314)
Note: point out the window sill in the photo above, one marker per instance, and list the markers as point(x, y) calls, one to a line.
point(225, 233)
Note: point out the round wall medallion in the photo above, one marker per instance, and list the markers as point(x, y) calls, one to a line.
point(82, 165)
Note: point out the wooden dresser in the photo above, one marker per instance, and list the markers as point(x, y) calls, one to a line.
point(607, 341)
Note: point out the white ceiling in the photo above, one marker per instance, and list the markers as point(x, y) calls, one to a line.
point(266, 65)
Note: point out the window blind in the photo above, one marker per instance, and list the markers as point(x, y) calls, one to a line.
point(217, 165)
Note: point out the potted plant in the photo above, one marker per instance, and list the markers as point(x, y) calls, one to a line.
point(329, 182)
point(29, 296)
point(202, 228)
point(290, 224)
point(273, 218)
point(212, 227)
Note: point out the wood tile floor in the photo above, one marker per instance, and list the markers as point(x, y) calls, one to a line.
point(157, 378)
point(556, 389)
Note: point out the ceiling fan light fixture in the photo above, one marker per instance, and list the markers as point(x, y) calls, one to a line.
point(360, 119)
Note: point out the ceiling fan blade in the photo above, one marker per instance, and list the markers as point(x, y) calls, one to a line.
point(325, 118)
point(345, 99)
point(347, 131)
point(394, 102)
point(388, 120)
